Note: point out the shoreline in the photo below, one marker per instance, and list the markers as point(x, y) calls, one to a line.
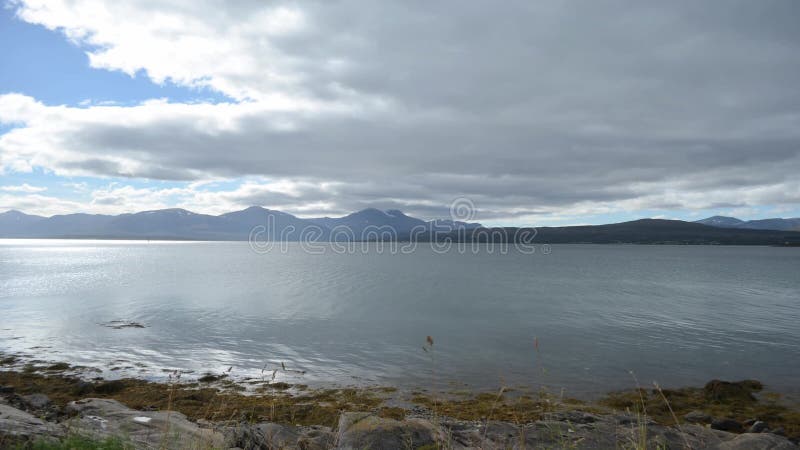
point(219, 402)
point(296, 381)
point(179, 240)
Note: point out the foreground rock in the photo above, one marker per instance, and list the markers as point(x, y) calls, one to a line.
point(364, 430)
point(607, 432)
point(574, 430)
point(101, 418)
point(19, 426)
point(274, 436)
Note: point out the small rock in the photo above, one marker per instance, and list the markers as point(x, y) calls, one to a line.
point(761, 441)
point(204, 423)
point(757, 427)
point(6, 390)
point(726, 425)
point(780, 431)
point(36, 401)
point(697, 417)
point(575, 417)
point(627, 419)
point(121, 324)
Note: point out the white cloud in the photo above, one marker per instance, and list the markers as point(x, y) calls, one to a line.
point(188, 43)
point(25, 187)
point(39, 204)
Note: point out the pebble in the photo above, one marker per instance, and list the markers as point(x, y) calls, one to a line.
point(758, 427)
point(726, 425)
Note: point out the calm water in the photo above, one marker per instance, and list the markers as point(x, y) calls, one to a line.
point(680, 315)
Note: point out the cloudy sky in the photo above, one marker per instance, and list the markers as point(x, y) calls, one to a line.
point(540, 112)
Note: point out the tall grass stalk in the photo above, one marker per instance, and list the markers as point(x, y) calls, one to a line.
point(428, 348)
point(674, 417)
point(491, 412)
point(640, 432)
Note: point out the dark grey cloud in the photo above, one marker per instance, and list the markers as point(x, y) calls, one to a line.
point(524, 106)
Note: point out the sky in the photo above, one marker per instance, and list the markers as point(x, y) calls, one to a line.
point(537, 113)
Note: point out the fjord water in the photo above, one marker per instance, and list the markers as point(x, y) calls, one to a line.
point(679, 315)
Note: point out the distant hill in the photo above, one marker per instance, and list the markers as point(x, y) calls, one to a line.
point(721, 221)
point(773, 224)
point(642, 231)
point(359, 221)
point(165, 222)
point(658, 231)
point(16, 222)
point(276, 225)
point(369, 224)
point(792, 224)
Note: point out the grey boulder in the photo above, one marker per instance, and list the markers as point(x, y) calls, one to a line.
point(268, 436)
point(145, 429)
point(360, 430)
point(17, 425)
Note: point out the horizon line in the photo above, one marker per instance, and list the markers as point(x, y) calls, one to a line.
point(470, 221)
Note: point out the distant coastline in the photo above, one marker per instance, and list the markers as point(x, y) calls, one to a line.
point(157, 239)
point(370, 225)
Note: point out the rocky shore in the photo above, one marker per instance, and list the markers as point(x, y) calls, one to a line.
point(50, 410)
point(101, 419)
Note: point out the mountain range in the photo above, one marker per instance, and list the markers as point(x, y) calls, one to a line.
point(182, 224)
point(792, 224)
point(372, 224)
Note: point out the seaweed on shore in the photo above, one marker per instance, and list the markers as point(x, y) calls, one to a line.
point(741, 401)
point(314, 407)
point(221, 401)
